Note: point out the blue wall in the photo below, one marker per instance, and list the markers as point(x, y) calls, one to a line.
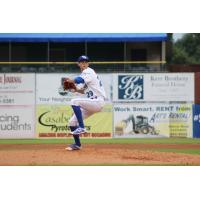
point(196, 121)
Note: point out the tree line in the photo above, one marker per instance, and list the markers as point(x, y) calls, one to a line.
point(187, 49)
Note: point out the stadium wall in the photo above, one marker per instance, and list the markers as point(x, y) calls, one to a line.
point(196, 121)
point(189, 68)
point(17, 106)
point(138, 105)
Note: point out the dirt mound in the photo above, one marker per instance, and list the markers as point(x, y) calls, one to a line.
point(96, 154)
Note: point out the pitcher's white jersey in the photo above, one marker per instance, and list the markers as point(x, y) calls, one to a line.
point(95, 88)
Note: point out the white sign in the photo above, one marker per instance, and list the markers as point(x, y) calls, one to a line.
point(154, 87)
point(17, 122)
point(17, 89)
point(49, 90)
point(152, 120)
point(169, 87)
point(106, 80)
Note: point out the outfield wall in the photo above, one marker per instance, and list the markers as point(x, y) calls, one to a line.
point(152, 120)
point(54, 111)
point(17, 106)
point(153, 105)
point(196, 121)
point(154, 87)
point(137, 105)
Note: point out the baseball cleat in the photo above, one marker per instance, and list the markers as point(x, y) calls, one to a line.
point(73, 147)
point(78, 131)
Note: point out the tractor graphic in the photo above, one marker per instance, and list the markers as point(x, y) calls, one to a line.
point(140, 125)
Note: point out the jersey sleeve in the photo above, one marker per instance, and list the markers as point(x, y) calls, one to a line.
point(86, 77)
point(79, 80)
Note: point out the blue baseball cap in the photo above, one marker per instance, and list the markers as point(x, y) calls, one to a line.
point(83, 58)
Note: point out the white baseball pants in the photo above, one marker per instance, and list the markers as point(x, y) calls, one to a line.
point(88, 108)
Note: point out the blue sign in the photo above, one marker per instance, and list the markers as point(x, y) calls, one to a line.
point(130, 87)
point(196, 121)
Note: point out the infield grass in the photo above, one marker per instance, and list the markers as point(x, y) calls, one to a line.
point(104, 141)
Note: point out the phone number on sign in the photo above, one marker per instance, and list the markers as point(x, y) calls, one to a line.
point(7, 101)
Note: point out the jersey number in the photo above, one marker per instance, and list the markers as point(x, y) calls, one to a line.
point(89, 94)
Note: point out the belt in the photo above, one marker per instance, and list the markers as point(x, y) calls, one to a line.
point(100, 98)
point(94, 97)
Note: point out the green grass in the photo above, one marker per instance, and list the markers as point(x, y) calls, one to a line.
point(105, 141)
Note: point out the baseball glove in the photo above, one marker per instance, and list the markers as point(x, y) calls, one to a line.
point(68, 86)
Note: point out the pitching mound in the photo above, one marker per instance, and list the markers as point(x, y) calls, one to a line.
point(96, 154)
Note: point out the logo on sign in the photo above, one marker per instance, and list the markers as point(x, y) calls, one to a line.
point(8, 79)
point(130, 87)
point(197, 118)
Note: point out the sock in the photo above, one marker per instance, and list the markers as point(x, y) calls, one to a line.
point(78, 113)
point(76, 137)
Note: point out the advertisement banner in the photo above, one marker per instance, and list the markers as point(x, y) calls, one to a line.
point(141, 120)
point(180, 120)
point(152, 120)
point(154, 87)
point(17, 89)
point(17, 122)
point(50, 91)
point(52, 121)
point(17, 105)
point(196, 121)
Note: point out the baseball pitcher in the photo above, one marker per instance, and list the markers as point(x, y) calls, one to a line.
point(84, 107)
